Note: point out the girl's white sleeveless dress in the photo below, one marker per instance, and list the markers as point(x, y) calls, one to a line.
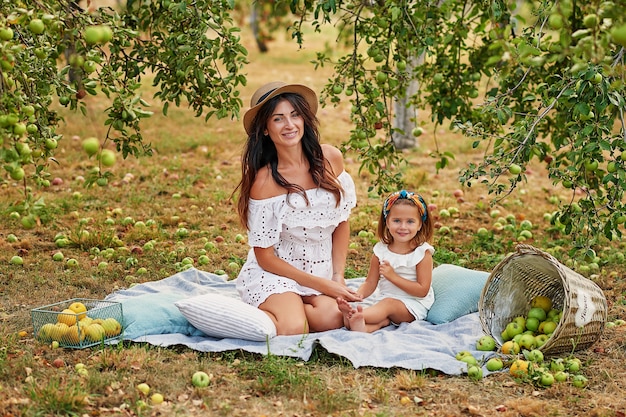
point(404, 265)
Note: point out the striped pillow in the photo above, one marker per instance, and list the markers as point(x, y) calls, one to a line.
point(222, 317)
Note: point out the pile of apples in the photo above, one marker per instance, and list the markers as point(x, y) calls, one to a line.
point(74, 326)
point(532, 330)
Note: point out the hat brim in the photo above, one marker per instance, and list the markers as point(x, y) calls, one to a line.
point(308, 94)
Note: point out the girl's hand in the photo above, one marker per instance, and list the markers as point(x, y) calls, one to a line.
point(385, 269)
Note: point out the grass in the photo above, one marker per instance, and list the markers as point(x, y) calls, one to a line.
point(181, 195)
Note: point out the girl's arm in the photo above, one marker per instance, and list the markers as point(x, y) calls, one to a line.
point(268, 260)
point(371, 282)
point(421, 286)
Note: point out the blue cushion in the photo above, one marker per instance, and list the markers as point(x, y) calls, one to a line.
point(457, 292)
point(154, 313)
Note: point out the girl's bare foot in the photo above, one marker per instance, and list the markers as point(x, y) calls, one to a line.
point(346, 310)
point(357, 320)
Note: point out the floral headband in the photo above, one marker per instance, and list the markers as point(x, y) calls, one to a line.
point(404, 195)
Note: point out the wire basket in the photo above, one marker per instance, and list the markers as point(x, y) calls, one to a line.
point(68, 324)
point(529, 272)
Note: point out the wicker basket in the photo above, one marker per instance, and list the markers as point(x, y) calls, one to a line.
point(529, 272)
point(47, 316)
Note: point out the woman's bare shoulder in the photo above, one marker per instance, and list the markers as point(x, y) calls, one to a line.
point(334, 157)
point(264, 186)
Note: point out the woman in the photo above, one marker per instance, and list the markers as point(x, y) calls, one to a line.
point(294, 199)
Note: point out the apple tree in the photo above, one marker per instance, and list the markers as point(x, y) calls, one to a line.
point(56, 53)
point(522, 80)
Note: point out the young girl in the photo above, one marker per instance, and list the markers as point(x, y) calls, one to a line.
point(401, 266)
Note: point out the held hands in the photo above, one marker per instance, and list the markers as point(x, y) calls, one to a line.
point(335, 289)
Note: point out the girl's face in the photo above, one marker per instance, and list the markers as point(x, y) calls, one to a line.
point(403, 222)
point(285, 126)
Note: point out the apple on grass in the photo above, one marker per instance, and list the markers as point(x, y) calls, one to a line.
point(143, 388)
point(475, 372)
point(494, 364)
point(200, 379)
point(546, 379)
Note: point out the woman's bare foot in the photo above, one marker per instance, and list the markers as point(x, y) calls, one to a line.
point(357, 320)
point(346, 310)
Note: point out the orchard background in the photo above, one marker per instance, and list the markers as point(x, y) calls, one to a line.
point(164, 195)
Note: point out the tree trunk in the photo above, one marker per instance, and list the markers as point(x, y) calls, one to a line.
point(405, 114)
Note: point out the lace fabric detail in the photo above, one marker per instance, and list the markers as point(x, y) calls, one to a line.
point(301, 235)
point(268, 217)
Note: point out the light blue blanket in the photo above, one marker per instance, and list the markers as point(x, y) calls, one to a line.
point(420, 345)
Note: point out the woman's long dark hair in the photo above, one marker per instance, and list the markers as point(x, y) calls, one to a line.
point(260, 151)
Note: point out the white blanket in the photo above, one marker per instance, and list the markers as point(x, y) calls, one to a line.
point(419, 345)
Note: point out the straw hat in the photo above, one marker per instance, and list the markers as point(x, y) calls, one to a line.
point(269, 90)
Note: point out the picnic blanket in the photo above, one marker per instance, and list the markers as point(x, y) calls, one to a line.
point(151, 316)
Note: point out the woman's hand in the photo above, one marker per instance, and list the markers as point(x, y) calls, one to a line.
point(334, 290)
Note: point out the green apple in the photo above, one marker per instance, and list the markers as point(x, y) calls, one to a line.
point(72, 263)
point(6, 34)
point(513, 329)
point(557, 364)
point(200, 379)
point(494, 364)
point(618, 35)
point(546, 379)
point(579, 381)
point(17, 260)
point(18, 173)
point(28, 222)
point(537, 313)
point(591, 165)
point(555, 21)
point(526, 341)
point(93, 35)
point(36, 26)
point(107, 158)
point(469, 359)
point(89, 66)
point(515, 169)
point(561, 376)
point(532, 324)
point(462, 354)
point(417, 132)
point(91, 146)
point(58, 256)
point(573, 365)
point(486, 343)
point(475, 372)
point(535, 355)
point(547, 327)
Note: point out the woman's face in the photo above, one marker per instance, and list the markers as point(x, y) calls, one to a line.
point(285, 126)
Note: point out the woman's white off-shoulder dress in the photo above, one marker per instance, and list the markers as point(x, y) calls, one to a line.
point(301, 235)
